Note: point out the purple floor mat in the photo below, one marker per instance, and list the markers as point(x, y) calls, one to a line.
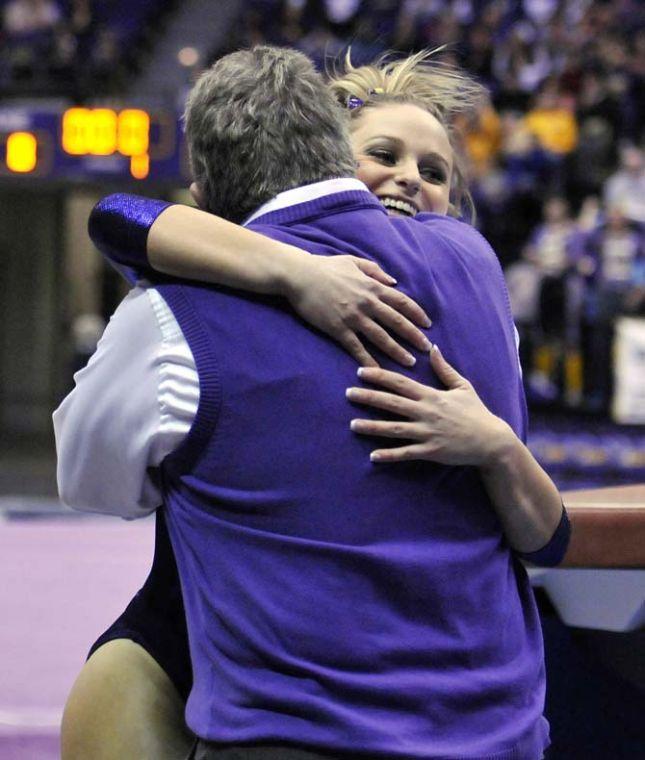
point(63, 582)
point(44, 747)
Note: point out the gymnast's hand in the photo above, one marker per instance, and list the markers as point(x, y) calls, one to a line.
point(450, 426)
point(348, 297)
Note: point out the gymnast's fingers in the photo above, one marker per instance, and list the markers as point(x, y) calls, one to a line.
point(386, 401)
point(395, 382)
point(397, 321)
point(399, 454)
point(387, 429)
point(352, 344)
point(380, 338)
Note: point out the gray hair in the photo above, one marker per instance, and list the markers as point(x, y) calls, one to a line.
point(259, 122)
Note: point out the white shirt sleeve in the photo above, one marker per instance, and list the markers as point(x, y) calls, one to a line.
point(131, 406)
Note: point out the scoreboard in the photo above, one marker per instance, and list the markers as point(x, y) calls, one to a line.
point(91, 144)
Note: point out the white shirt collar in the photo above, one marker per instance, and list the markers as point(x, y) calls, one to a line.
point(307, 193)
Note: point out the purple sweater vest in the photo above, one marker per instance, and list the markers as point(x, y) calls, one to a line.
point(331, 602)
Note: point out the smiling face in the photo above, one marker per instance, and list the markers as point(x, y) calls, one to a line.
point(404, 157)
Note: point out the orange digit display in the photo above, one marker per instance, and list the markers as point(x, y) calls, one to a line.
point(22, 154)
point(134, 132)
point(140, 166)
point(75, 131)
point(102, 132)
point(102, 126)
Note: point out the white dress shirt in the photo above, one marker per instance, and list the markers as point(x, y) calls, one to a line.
point(131, 406)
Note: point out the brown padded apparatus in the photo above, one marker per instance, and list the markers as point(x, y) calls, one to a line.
point(607, 527)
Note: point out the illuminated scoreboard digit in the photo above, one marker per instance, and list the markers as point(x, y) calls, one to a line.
point(133, 133)
point(91, 143)
point(22, 152)
point(103, 132)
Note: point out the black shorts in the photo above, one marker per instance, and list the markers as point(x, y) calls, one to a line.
point(155, 618)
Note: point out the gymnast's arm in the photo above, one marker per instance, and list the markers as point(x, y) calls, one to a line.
point(526, 500)
point(343, 296)
point(454, 427)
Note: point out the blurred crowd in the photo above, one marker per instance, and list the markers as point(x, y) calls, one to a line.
point(555, 156)
point(73, 48)
point(566, 77)
point(51, 47)
point(576, 275)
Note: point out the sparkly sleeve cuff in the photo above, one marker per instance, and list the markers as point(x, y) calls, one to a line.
point(553, 553)
point(119, 226)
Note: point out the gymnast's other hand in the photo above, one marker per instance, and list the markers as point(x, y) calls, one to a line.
point(450, 426)
point(350, 298)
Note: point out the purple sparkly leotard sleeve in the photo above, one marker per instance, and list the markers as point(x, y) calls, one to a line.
point(553, 553)
point(119, 226)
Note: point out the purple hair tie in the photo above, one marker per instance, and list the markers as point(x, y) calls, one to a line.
point(353, 102)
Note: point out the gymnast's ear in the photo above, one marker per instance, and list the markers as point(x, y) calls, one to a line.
point(198, 195)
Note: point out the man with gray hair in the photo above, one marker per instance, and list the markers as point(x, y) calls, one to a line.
point(260, 122)
point(334, 608)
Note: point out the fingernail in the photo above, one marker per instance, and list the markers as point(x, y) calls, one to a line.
point(427, 322)
point(410, 360)
point(427, 346)
point(349, 393)
point(375, 456)
point(392, 280)
point(435, 349)
point(352, 425)
point(360, 371)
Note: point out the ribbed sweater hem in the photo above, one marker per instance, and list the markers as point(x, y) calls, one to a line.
point(303, 213)
point(210, 388)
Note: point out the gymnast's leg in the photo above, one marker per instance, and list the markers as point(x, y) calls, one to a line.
point(128, 701)
point(123, 706)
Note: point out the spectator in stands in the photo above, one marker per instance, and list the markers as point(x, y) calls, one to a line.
point(105, 59)
point(512, 188)
point(26, 17)
point(520, 64)
point(614, 248)
point(521, 154)
point(550, 251)
point(553, 123)
point(598, 112)
point(29, 26)
point(379, 23)
point(82, 24)
point(612, 261)
point(549, 246)
point(625, 189)
point(540, 12)
point(589, 217)
point(482, 133)
point(478, 53)
point(62, 59)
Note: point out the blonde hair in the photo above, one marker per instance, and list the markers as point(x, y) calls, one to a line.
point(420, 79)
